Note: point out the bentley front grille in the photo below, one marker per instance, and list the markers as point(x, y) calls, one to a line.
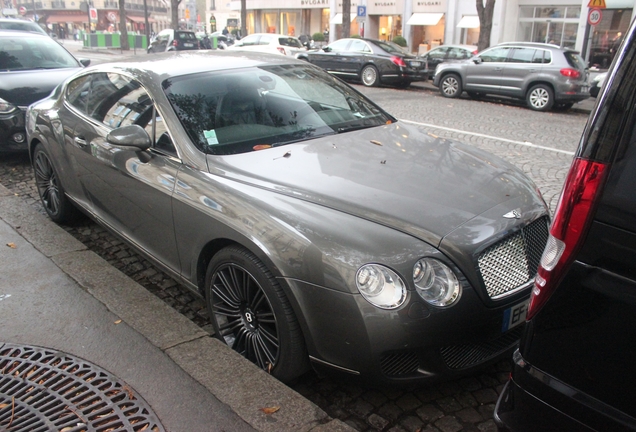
point(512, 263)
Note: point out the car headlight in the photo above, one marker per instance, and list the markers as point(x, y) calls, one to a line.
point(6, 107)
point(381, 286)
point(435, 282)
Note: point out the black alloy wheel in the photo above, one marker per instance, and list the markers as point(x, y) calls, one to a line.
point(251, 314)
point(57, 205)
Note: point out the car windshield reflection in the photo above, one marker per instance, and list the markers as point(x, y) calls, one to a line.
point(21, 52)
point(257, 108)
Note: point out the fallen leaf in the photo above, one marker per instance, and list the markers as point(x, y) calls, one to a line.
point(118, 322)
point(12, 245)
point(3, 405)
point(270, 410)
point(376, 142)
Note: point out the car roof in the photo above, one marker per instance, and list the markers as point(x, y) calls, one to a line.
point(177, 63)
point(272, 34)
point(535, 45)
point(25, 23)
point(22, 33)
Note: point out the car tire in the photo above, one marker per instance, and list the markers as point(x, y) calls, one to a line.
point(450, 86)
point(56, 204)
point(370, 76)
point(474, 95)
point(563, 106)
point(540, 97)
point(252, 315)
point(403, 84)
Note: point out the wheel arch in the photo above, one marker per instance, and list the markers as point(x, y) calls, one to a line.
point(537, 82)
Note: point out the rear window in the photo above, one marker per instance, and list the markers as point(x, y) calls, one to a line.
point(574, 59)
point(290, 42)
point(186, 35)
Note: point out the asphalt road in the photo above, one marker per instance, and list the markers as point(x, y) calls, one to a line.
point(541, 144)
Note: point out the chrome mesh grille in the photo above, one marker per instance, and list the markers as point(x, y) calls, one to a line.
point(513, 261)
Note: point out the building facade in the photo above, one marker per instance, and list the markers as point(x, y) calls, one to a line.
point(426, 24)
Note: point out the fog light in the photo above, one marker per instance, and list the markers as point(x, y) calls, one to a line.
point(19, 137)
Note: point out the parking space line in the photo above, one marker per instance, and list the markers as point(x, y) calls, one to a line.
point(523, 143)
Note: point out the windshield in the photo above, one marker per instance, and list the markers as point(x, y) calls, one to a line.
point(243, 110)
point(21, 52)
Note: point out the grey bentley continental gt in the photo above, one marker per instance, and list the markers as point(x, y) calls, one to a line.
point(319, 228)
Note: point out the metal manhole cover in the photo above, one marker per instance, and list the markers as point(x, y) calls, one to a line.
point(43, 390)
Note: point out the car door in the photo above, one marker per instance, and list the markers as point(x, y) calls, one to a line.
point(357, 54)
point(522, 63)
point(161, 42)
point(330, 57)
point(129, 190)
point(433, 58)
point(483, 73)
point(249, 43)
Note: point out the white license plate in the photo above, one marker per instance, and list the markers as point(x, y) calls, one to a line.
point(515, 315)
point(416, 64)
point(188, 45)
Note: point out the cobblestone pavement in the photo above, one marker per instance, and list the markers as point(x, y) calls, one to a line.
point(460, 405)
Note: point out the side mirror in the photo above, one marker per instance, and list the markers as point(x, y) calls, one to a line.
point(129, 136)
point(84, 61)
point(326, 49)
point(476, 60)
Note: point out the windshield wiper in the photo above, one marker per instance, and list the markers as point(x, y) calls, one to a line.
point(354, 127)
point(305, 138)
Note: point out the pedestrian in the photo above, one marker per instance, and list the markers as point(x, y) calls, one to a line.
point(225, 31)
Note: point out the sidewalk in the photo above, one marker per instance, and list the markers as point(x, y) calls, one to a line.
point(54, 293)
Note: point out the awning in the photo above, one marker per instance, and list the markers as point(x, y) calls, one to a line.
point(469, 21)
point(67, 18)
point(136, 19)
point(337, 18)
point(427, 19)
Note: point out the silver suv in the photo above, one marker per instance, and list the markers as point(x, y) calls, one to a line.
point(545, 75)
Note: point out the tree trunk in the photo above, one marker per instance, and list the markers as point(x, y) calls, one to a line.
point(243, 18)
point(346, 18)
point(174, 13)
point(123, 32)
point(485, 22)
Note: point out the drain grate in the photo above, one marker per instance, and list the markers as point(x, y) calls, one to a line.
point(43, 390)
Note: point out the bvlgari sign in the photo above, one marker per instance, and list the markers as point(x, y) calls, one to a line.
point(385, 7)
point(430, 6)
point(315, 3)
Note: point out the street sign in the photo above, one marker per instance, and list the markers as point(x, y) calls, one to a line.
point(597, 4)
point(22, 10)
point(362, 11)
point(595, 16)
point(92, 13)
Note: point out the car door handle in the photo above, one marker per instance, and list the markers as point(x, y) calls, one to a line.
point(80, 141)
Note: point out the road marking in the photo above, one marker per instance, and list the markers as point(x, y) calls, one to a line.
point(523, 143)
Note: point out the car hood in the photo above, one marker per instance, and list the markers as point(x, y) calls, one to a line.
point(396, 175)
point(22, 88)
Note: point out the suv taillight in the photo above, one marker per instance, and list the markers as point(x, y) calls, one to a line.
point(174, 42)
point(570, 73)
point(398, 61)
point(281, 50)
point(572, 217)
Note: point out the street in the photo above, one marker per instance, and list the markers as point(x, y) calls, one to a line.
point(541, 144)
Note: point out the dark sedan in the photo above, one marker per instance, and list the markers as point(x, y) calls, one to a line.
point(369, 61)
point(316, 226)
point(31, 66)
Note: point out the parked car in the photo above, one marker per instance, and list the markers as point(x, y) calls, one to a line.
point(31, 66)
point(269, 43)
point(597, 84)
point(316, 226)
point(544, 75)
point(446, 54)
point(575, 365)
point(173, 40)
point(21, 25)
point(307, 41)
point(370, 61)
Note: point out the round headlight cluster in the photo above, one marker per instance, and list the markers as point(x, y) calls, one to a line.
point(381, 286)
point(435, 282)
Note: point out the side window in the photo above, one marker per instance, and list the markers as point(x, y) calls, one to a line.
point(265, 40)
point(106, 89)
point(163, 36)
point(358, 46)
point(159, 135)
point(77, 92)
point(458, 53)
point(495, 55)
point(522, 55)
point(339, 45)
point(438, 54)
point(249, 40)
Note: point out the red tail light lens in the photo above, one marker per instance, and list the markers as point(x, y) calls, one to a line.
point(566, 233)
point(398, 61)
point(570, 73)
point(174, 42)
point(475, 52)
point(281, 50)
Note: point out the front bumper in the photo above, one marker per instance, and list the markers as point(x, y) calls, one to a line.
point(413, 343)
point(13, 132)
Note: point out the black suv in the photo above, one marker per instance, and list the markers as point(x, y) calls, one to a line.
point(575, 368)
point(173, 40)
